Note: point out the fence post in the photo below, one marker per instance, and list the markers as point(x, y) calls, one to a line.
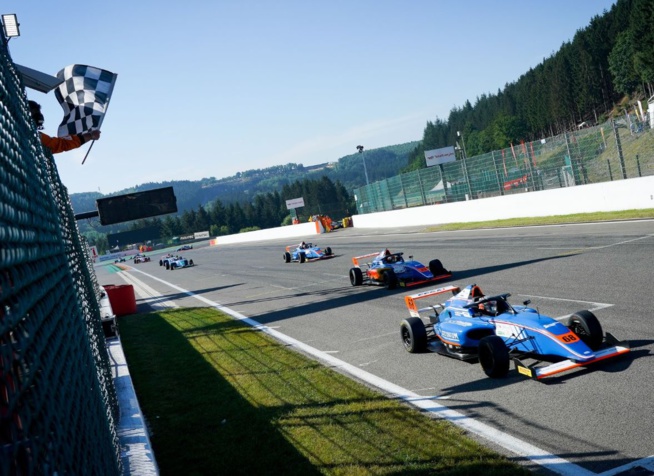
point(465, 174)
point(619, 147)
point(423, 197)
point(610, 173)
point(442, 171)
point(638, 165)
point(497, 174)
point(406, 203)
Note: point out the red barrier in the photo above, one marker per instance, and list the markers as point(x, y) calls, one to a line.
point(121, 298)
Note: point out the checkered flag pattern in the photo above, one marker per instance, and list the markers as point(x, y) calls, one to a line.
point(84, 96)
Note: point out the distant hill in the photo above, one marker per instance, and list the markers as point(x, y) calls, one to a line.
point(381, 163)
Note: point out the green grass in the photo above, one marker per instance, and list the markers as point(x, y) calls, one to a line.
point(551, 220)
point(222, 398)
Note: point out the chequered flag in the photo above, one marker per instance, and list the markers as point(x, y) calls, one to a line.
point(84, 96)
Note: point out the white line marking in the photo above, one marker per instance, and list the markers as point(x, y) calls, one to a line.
point(375, 337)
point(594, 306)
point(522, 448)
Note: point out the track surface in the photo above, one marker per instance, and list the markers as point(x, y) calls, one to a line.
point(599, 419)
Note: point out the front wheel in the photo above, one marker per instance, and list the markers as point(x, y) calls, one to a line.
point(587, 328)
point(390, 280)
point(173, 266)
point(287, 257)
point(436, 267)
point(190, 262)
point(328, 251)
point(494, 356)
point(303, 257)
point(356, 276)
point(414, 335)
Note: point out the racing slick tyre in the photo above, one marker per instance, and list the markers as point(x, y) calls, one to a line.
point(287, 257)
point(303, 257)
point(328, 251)
point(494, 356)
point(160, 262)
point(190, 262)
point(390, 280)
point(167, 264)
point(587, 328)
point(173, 266)
point(356, 276)
point(436, 267)
point(414, 335)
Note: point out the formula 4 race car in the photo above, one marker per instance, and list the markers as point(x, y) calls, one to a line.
point(141, 259)
point(306, 252)
point(471, 326)
point(166, 260)
point(178, 262)
point(391, 270)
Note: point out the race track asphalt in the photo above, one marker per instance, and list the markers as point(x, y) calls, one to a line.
point(597, 419)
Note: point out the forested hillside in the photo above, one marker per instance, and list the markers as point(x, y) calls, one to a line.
point(244, 186)
point(609, 61)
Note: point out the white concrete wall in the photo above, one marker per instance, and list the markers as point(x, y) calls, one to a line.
point(619, 195)
point(291, 231)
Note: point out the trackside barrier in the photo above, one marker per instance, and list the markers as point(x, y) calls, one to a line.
point(630, 194)
point(291, 231)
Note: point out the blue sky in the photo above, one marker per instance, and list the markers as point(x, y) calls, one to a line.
point(208, 88)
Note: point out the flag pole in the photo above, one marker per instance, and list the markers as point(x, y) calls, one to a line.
point(87, 152)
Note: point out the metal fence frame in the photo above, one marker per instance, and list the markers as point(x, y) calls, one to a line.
point(616, 150)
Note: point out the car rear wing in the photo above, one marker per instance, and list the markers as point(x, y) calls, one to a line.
point(355, 259)
point(413, 306)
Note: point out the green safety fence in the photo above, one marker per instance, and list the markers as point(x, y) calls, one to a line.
point(616, 150)
point(58, 403)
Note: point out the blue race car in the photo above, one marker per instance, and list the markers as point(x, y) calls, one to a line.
point(306, 252)
point(391, 270)
point(471, 326)
point(179, 262)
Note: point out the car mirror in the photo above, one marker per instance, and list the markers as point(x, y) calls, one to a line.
point(528, 301)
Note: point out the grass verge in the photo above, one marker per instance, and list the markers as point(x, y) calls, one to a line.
point(222, 398)
point(551, 220)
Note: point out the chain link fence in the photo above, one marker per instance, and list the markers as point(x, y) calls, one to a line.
point(58, 403)
point(616, 150)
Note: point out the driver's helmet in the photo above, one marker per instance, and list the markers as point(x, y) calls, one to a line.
point(489, 308)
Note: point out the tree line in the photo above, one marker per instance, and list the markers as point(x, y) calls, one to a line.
point(266, 210)
point(610, 58)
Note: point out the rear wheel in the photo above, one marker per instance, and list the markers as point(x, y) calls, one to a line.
point(390, 280)
point(167, 264)
point(436, 267)
point(160, 262)
point(356, 276)
point(287, 257)
point(303, 257)
point(587, 328)
point(494, 356)
point(414, 335)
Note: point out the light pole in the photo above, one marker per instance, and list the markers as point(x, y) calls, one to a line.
point(465, 166)
point(360, 149)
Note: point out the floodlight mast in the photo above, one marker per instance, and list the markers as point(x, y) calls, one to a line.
point(365, 169)
point(10, 26)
